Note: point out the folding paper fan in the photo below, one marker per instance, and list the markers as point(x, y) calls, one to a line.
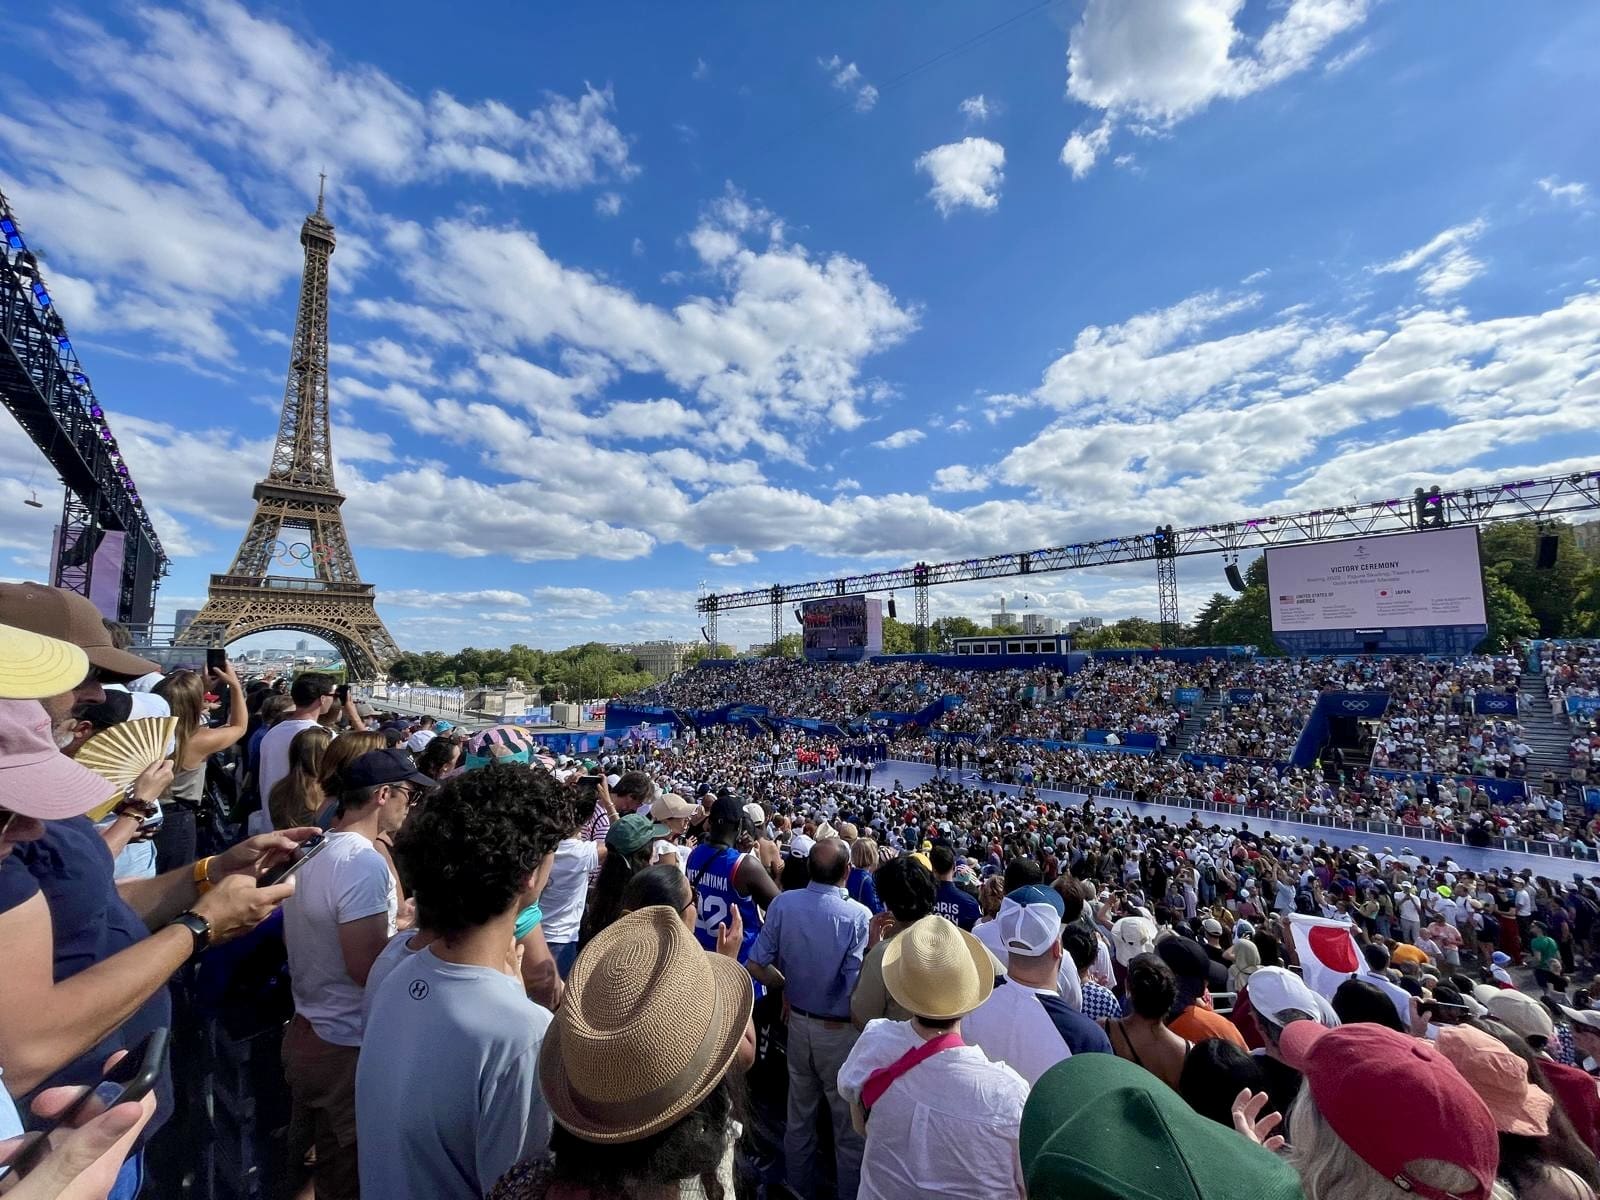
point(120, 754)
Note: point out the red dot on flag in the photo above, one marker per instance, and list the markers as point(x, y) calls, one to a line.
point(1334, 948)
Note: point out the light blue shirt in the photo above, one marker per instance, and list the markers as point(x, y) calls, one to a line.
point(817, 938)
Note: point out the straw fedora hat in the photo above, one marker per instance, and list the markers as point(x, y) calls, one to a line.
point(935, 969)
point(649, 1026)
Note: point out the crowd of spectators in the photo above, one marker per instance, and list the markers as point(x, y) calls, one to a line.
point(694, 967)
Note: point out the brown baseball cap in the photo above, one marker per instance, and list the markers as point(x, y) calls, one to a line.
point(58, 613)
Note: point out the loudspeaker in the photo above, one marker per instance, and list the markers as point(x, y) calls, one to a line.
point(1235, 580)
point(1549, 548)
point(82, 550)
point(892, 616)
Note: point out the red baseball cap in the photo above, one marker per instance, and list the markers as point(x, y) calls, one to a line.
point(1395, 1100)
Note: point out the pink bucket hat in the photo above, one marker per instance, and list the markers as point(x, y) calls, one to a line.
point(36, 779)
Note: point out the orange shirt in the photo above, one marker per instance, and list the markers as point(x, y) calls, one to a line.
point(1405, 952)
point(1198, 1024)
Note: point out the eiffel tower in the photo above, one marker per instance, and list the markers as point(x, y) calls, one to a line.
point(297, 518)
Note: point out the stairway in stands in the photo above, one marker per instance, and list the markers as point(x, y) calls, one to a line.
point(1199, 715)
point(1547, 740)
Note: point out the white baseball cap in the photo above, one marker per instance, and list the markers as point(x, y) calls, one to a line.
point(800, 846)
point(1275, 990)
point(755, 812)
point(1131, 937)
point(1029, 929)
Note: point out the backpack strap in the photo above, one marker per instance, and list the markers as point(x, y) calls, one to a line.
point(883, 1078)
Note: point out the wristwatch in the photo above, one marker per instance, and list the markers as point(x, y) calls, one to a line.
point(198, 927)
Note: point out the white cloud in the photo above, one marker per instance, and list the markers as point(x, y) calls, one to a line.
point(1158, 62)
point(1348, 58)
point(608, 204)
point(775, 352)
point(1573, 193)
point(731, 558)
point(846, 77)
point(146, 187)
point(960, 478)
point(1444, 264)
point(422, 598)
point(900, 439)
point(978, 109)
point(256, 86)
point(1082, 148)
point(966, 174)
point(701, 69)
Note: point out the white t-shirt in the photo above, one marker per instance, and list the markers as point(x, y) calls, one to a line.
point(1012, 1027)
point(447, 1087)
point(946, 1128)
point(346, 882)
point(567, 889)
point(273, 762)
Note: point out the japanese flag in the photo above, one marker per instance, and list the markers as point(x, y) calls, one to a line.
point(1328, 953)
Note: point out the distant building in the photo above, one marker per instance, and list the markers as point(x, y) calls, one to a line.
point(185, 617)
point(1587, 537)
point(661, 658)
point(302, 646)
point(1039, 623)
point(1085, 625)
point(1003, 620)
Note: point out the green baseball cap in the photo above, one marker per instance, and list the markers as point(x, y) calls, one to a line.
point(1099, 1128)
point(632, 833)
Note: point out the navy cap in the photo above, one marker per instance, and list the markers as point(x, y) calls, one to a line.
point(1037, 893)
point(377, 767)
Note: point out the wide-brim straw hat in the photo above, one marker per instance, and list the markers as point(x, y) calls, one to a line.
point(649, 1026)
point(936, 969)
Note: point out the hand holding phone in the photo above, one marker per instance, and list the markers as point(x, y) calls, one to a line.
point(129, 1078)
point(342, 693)
point(304, 853)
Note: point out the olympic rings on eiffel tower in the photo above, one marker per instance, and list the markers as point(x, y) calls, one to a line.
point(299, 553)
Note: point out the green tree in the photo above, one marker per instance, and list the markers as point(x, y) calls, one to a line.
point(898, 637)
point(1007, 624)
point(1136, 631)
point(701, 650)
point(1203, 632)
point(1510, 550)
point(1247, 621)
point(1586, 613)
point(1508, 613)
point(790, 645)
point(943, 632)
point(469, 679)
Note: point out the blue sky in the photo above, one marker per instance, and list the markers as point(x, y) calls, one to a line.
point(632, 299)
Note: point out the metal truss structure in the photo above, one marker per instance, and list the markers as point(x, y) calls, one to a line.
point(298, 500)
point(44, 386)
point(1519, 500)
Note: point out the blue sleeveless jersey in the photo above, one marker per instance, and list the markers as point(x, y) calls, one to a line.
point(711, 869)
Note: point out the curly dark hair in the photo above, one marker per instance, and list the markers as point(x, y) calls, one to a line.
point(466, 855)
point(1152, 986)
point(906, 888)
point(690, 1149)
